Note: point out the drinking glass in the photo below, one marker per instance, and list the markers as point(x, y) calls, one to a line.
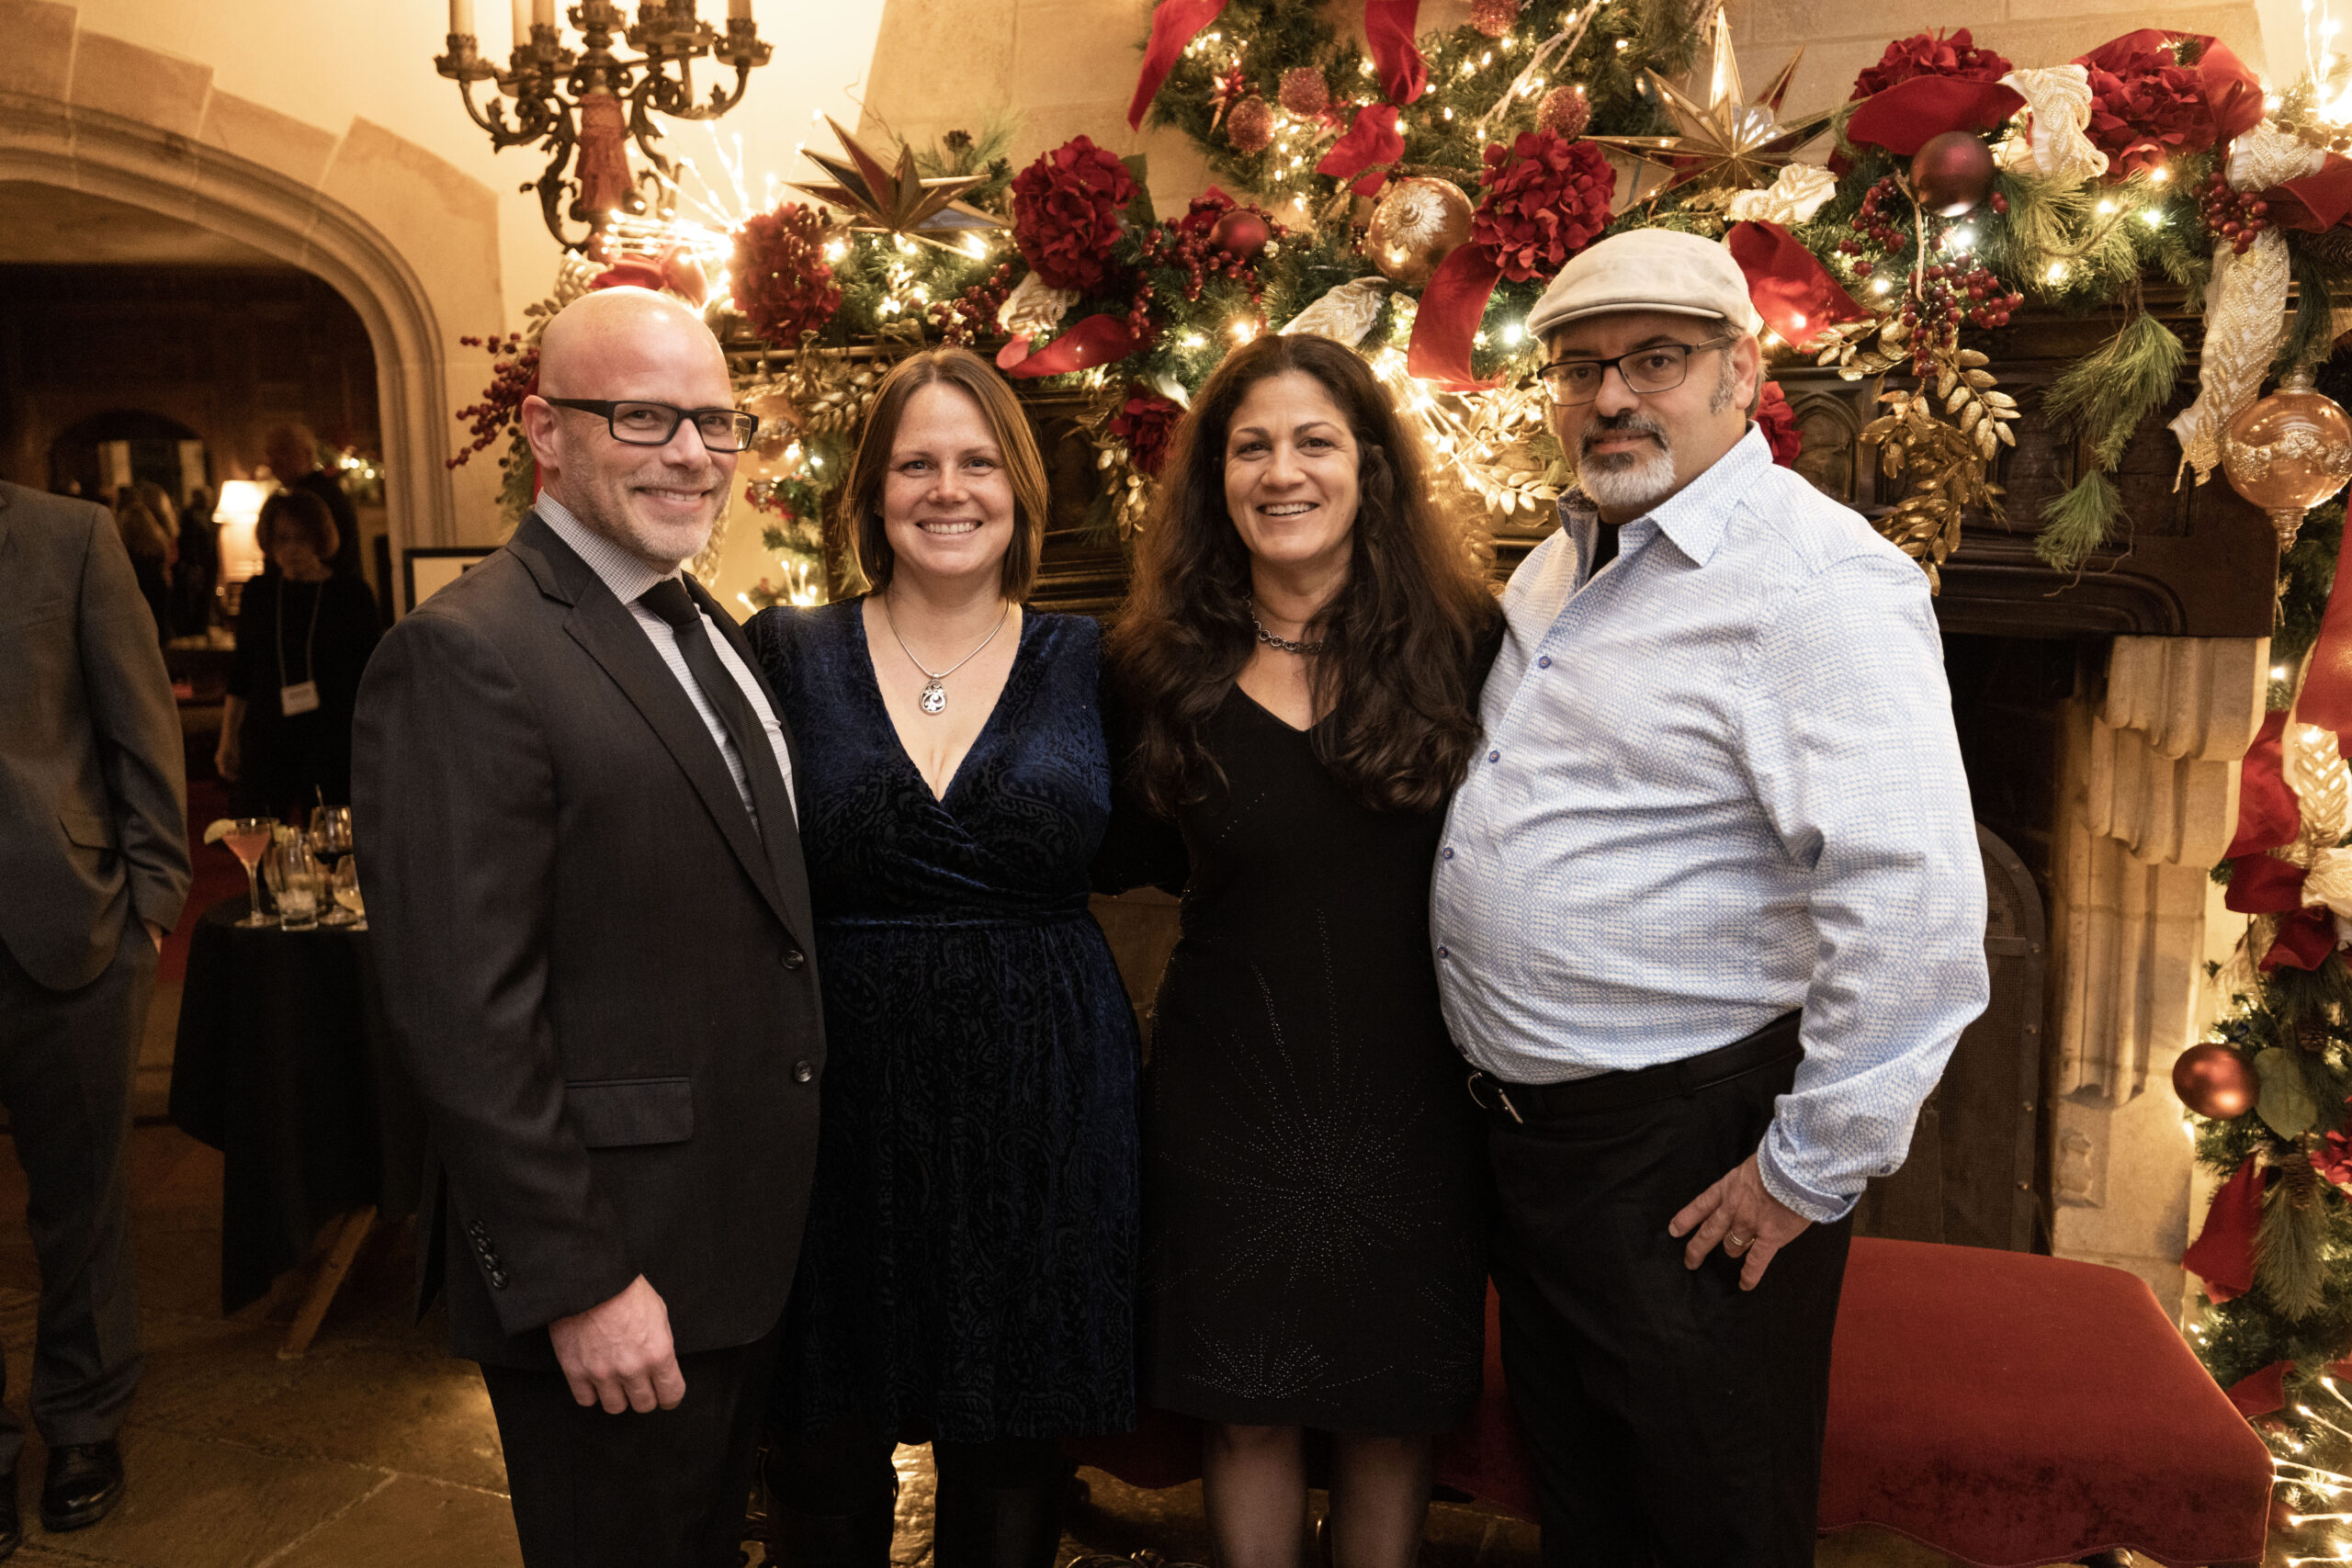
point(248, 839)
point(301, 882)
point(331, 841)
point(345, 885)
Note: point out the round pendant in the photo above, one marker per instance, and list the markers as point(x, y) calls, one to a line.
point(934, 698)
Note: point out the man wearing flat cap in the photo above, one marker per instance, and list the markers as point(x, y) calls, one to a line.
point(1708, 918)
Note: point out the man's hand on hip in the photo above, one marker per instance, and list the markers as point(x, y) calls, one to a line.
point(1750, 1222)
point(618, 1352)
point(155, 934)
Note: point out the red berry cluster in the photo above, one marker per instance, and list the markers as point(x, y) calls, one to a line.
point(1953, 295)
point(1189, 247)
point(514, 375)
point(2231, 215)
point(1873, 223)
point(972, 314)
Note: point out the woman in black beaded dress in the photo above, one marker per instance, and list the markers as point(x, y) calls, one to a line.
point(967, 1277)
point(1297, 676)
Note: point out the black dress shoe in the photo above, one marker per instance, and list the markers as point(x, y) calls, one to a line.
point(12, 1525)
point(84, 1485)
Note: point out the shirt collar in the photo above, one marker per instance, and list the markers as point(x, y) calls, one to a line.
point(627, 576)
point(1695, 516)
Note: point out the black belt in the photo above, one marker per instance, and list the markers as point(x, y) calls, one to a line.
point(1777, 1041)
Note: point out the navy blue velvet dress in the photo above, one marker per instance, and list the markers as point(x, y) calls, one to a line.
point(968, 1269)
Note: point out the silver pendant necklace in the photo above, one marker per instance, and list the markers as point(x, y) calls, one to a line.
point(934, 695)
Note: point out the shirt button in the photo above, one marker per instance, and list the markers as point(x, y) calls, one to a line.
point(802, 1071)
point(1441, 953)
point(1446, 853)
point(1544, 662)
point(792, 958)
point(1493, 756)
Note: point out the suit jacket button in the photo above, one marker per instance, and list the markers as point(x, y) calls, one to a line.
point(793, 958)
point(802, 1071)
point(497, 1280)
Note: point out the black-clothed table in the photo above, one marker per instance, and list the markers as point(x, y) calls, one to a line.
point(283, 1064)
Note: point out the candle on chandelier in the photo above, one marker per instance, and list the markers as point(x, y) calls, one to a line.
point(522, 22)
point(461, 18)
point(739, 10)
point(543, 13)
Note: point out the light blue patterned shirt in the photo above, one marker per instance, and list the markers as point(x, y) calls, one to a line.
point(1720, 781)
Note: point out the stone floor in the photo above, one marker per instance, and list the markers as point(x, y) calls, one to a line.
point(379, 1450)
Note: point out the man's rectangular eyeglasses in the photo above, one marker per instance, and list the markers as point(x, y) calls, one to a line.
point(652, 425)
point(1659, 368)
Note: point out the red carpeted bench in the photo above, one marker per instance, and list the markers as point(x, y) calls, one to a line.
point(2005, 1409)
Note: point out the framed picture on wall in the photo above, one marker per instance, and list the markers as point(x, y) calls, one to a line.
point(429, 568)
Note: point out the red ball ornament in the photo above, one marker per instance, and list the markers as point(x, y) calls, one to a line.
point(1951, 174)
point(1494, 17)
point(2215, 1081)
point(1303, 92)
point(1241, 232)
point(1564, 111)
point(1250, 126)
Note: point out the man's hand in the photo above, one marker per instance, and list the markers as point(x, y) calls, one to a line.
point(155, 934)
point(225, 760)
point(1748, 1221)
point(618, 1353)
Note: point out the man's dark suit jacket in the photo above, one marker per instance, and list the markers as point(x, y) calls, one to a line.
point(93, 771)
point(599, 980)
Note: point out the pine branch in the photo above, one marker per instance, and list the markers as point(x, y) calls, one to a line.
point(2103, 397)
point(2078, 523)
point(2289, 1265)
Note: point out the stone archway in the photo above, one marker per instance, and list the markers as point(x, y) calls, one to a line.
point(328, 205)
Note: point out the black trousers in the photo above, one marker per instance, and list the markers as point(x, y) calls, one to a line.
point(666, 1489)
point(1674, 1419)
point(66, 1059)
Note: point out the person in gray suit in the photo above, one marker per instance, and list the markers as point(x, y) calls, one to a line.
point(94, 868)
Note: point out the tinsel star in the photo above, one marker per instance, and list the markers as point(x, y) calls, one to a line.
point(879, 200)
point(1730, 140)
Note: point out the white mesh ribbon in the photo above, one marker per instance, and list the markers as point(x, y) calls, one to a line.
point(2246, 302)
point(1033, 307)
point(2314, 768)
point(1344, 313)
point(1799, 193)
point(2055, 148)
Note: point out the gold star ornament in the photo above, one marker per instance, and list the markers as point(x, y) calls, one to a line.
point(1729, 140)
point(879, 200)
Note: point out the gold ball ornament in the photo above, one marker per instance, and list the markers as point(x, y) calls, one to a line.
point(2289, 452)
point(1418, 223)
point(1250, 126)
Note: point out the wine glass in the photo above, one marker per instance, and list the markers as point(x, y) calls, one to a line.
point(248, 838)
point(300, 881)
point(331, 841)
point(345, 885)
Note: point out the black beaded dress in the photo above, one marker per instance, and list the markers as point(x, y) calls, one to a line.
point(969, 1267)
point(1314, 1172)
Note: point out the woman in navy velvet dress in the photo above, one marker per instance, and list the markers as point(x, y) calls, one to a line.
point(968, 1273)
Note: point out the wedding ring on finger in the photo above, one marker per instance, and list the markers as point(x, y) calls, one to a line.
point(1738, 1242)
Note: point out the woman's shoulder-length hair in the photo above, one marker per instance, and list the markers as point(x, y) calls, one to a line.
point(1403, 642)
point(861, 500)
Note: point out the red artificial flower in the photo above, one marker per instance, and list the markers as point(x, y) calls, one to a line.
point(1930, 54)
point(1547, 198)
point(2332, 1159)
point(1145, 425)
point(779, 277)
point(1777, 420)
point(2146, 109)
point(1066, 209)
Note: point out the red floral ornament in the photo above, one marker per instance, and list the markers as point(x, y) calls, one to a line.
point(2146, 109)
point(779, 277)
point(1547, 198)
point(1930, 54)
point(1066, 213)
point(2333, 1161)
point(1777, 420)
point(1145, 425)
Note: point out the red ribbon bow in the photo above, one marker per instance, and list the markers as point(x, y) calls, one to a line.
point(1098, 340)
point(1387, 32)
point(1791, 290)
point(1905, 117)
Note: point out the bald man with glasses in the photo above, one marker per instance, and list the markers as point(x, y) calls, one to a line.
point(590, 923)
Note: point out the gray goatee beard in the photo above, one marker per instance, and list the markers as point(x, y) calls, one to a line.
point(1626, 481)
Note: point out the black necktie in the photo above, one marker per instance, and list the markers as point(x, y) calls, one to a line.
point(670, 599)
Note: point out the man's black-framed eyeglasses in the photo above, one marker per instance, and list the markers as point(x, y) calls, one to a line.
point(636, 424)
point(1656, 367)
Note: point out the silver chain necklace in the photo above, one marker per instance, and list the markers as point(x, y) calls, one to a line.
point(1282, 644)
point(934, 695)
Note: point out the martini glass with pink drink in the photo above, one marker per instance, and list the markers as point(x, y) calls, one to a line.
point(247, 838)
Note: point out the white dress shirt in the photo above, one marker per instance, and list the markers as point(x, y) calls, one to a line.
point(628, 577)
point(1721, 783)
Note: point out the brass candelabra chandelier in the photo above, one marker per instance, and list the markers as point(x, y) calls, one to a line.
point(592, 103)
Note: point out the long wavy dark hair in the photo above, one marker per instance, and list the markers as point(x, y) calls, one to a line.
point(1396, 677)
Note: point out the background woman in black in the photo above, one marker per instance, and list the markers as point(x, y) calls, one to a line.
point(303, 639)
point(1297, 671)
